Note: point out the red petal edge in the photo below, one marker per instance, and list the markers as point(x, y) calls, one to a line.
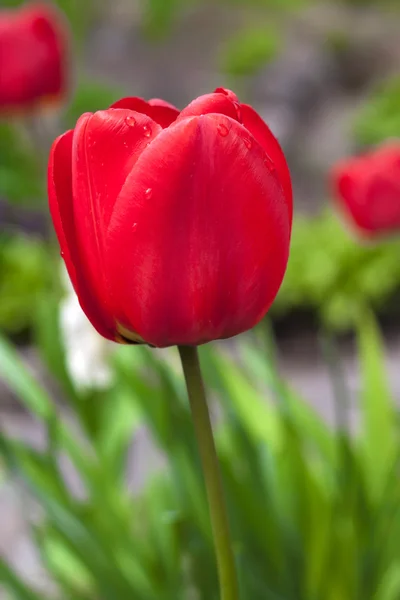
point(159, 111)
point(62, 212)
point(264, 136)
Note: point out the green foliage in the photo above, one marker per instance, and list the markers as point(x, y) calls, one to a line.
point(297, 490)
point(379, 118)
point(25, 275)
point(249, 50)
point(336, 275)
point(20, 178)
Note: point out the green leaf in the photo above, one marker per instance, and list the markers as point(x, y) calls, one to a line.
point(331, 274)
point(14, 584)
point(49, 341)
point(37, 468)
point(36, 400)
point(64, 567)
point(389, 588)
point(25, 275)
point(16, 376)
point(85, 544)
point(379, 432)
point(158, 506)
point(120, 419)
point(260, 365)
point(21, 178)
point(237, 392)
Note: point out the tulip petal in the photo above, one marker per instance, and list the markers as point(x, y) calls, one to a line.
point(106, 145)
point(203, 254)
point(160, 102)
point(264, 136)
point(383, 200)
point(350, 188)
point(212, 103)
point(60, 196)
point(231, 95)
point(161, 112)
point(33, 49)
point(367, 189)
point(62, 212)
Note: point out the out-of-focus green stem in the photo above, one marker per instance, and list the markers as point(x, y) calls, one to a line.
point(205, 440)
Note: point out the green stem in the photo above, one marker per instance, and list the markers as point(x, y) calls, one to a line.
point(205, 440)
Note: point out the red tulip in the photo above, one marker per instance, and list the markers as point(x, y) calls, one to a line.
point(32, 57)
point(174, 227)
point(367, 188)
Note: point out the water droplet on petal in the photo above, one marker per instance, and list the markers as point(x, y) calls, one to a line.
point(134, 226)
point(147, 130)
point(148, 193)
point(130, 121)
point(238, 110)
point(222, 130)
point(248, 143)
point(270, 164)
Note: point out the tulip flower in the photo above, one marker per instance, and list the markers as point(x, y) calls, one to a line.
point(367, 190)
point(33, 57)
point(174, 226)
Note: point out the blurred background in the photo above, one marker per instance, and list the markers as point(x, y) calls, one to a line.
point(326, 77)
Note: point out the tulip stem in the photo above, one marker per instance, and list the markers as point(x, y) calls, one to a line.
point(211, 471)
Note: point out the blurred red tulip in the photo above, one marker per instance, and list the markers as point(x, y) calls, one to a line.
point(367, 188)
point(32, 57)
point(174, 227)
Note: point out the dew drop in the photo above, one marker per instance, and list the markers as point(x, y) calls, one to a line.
point(247, 143)
point(238, 110)
point(130, 121)
point(222, 130)
point(148, 193)
point(270, 164)
point(134, 226)
point(147, 131)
